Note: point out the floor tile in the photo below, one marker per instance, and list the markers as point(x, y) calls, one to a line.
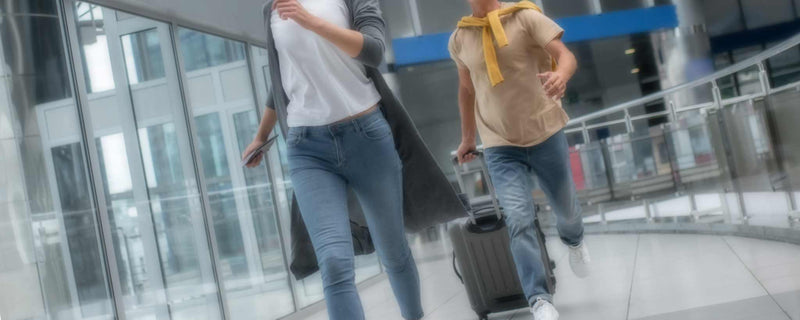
point(790, 303)
point(761, 308)
point(648, 277)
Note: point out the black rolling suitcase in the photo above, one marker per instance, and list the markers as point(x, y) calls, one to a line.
point(481, 251)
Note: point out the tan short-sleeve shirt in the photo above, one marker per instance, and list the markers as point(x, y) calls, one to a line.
point(516, 112)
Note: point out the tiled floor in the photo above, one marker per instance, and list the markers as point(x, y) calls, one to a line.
point(648, 277)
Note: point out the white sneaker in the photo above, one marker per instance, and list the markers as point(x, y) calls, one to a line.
point(544, 310)
point(579, 260)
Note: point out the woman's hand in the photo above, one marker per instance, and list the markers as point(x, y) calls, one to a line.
point(292, 9)
point(253, 145)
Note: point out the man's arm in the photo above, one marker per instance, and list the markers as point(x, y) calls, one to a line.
point(466, 106)
point(555, 82)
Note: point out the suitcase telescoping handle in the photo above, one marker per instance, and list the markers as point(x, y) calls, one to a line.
point(460, 170)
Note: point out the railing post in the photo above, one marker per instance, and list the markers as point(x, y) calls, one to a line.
point(723, 205)
point(609, 167)
point(763, 78)
point(648, 215)
point(602, 213)
point(628, 123)
point(717, 94)
point(742, 208)
point(673, 111)
point(585, 133)
point(793, 215)
point(693, 206)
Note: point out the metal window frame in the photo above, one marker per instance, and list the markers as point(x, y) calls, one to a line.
point(78, 80)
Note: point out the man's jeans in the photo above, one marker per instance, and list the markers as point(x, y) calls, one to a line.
point(359, 153)
point(511, 169)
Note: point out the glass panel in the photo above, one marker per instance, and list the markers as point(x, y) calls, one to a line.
point(148, 175)
point(727, 85)
point(785, 67)
point(143, 56)
point(94, 47)
point(205, 51)
point(747, 79)
point(51, 264)
point(219, 90)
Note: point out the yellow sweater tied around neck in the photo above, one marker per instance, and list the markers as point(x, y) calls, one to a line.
point(492, 25)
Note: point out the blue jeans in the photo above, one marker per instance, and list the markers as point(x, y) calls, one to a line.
point(511, 169)
point(323, 162)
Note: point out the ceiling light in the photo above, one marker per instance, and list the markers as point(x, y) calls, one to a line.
point(630, 51)
point(635, 70)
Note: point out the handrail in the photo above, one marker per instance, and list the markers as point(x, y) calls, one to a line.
point(732, 69)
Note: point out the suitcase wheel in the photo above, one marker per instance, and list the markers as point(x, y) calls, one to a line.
point(552, 264)
point(483, 316)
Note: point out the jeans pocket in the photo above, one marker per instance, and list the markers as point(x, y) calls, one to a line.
point(294, 137)
point(377, 130)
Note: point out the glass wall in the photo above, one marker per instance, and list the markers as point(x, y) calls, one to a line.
point(125, 196)
point(122, 193)
point(135, 117)
point(52, 262)
point(220, 97)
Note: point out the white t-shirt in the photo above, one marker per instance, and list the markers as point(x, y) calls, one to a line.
point(323, 83)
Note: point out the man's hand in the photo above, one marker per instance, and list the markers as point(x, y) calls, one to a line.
point(554, 84)
point(466, 152)
point(292, 9)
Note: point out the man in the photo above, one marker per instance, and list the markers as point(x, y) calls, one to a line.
point(513, 70)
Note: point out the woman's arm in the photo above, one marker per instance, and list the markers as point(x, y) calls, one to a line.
point(267, 124)
point(349, 41)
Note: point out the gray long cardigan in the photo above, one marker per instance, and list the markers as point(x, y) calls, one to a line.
point(429, 198)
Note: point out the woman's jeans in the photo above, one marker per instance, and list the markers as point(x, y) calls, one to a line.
point(360, 154)
point(511, 169)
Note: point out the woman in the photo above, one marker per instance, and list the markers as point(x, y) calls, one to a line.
point(335, 104)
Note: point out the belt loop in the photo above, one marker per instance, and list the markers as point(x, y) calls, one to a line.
point(356, 124)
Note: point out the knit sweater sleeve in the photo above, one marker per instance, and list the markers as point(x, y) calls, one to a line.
point(368, 21)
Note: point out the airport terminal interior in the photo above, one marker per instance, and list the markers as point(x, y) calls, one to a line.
point(122, 124)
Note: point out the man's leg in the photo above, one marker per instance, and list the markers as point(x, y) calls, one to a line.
point(511, 178)
point(550, 162)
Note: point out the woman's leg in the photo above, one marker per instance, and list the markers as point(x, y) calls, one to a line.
point(321, 194)
point(375, 173)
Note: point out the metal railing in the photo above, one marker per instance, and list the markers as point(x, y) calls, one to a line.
point(581, 124)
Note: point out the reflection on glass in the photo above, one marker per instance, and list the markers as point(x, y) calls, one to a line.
point(219, 183)
point(51, 264)
point(94, 47)
point(785, 67)
point(202, 51)
point(143, 58)
point(76, 205)
point(155, 215)
point(252, 266)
